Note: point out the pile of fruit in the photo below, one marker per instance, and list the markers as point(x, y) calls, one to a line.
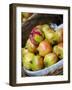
point(43, 48)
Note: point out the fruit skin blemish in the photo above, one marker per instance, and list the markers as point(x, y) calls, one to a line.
point(43, 48)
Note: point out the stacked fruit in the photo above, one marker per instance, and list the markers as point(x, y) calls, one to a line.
point(43, 48)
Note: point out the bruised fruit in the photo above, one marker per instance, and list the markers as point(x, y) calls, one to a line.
point(36, 35)
point(30, 46)
point(44, 48)
point(37, 63)
point(27, 59)
point(58, 49)
point(50, 59)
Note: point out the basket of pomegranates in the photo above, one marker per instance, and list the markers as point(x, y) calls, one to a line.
point(42, 45)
